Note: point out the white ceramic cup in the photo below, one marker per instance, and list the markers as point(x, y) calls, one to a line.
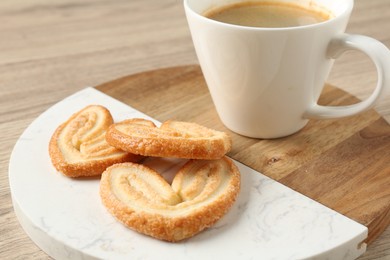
point(265, 82)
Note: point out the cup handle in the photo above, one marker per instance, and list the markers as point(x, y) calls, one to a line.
point(378, 53)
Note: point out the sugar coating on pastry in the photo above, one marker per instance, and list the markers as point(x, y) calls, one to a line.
point(78, 146)
point(172, 139)
point(200, 194)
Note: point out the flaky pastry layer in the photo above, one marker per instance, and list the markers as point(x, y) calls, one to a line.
point(200, 194)
point(172, 139)
point(78, 146)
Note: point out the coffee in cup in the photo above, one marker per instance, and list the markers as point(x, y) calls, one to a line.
point(265, 76)
point(267, 14)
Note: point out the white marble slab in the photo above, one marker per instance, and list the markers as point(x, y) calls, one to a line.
point(66, 219)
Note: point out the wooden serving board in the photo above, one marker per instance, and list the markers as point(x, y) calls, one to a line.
point(343, 164)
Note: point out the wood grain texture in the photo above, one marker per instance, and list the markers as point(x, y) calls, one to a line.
point(50, 49)
point(343, 164)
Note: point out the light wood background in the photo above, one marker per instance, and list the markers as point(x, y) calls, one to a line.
point(51, 48)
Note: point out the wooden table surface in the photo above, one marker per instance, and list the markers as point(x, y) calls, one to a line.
point(50, 49)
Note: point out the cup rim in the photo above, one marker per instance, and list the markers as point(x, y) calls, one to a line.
point(347, 11)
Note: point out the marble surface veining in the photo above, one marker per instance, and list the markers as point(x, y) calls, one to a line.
point(66, 218)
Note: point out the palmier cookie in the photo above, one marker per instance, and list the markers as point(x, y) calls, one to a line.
point(172, 139)
point(78, 146)
point(201, 193)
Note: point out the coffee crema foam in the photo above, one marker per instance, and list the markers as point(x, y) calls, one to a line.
point(268, 14)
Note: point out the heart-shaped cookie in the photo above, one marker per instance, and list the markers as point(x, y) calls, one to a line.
point(78, 146)
point(201, 193)
point(172, 139)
